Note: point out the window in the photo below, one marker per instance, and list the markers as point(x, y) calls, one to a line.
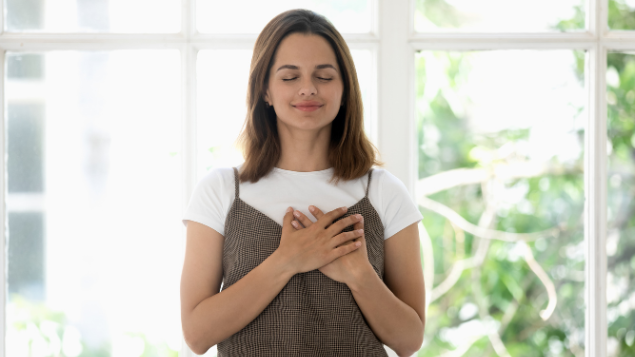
point(500, 117)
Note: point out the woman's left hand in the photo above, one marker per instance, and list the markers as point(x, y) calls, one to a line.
point(347, 268)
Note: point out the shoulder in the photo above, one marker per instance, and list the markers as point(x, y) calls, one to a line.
point(396, 206)
point(217, 184)
point(386, 180)
point(212, 198)
point(217, 178)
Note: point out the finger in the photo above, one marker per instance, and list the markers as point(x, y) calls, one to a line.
point(287, 220)
point(360, 224)
point(338, 226)
point(306, 222)
point(347, 236)
point(328, 218)
point(316, 212)
point(345, 249)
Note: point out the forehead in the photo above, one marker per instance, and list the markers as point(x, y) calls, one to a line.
point(304, 50)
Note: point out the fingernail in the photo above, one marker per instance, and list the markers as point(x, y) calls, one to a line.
point(295, 224)
point(359, 216)
point(297, 214)
point(358, 244)
point(311, 208)
point(289, 209)
point(343, 208)
point(360, 231)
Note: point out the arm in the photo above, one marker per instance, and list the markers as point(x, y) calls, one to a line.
point(208, 316)
point(395, 310)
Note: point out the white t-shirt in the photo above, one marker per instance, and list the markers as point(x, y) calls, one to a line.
point(273, 194)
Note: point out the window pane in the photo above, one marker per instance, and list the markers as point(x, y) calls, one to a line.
point(499, 15)
point(221, 96)
point(93, 16)
point(95, 176)
point(620, 244)
point(622, 14)
point(501, 188)
point(218, 16)
point(221, 99)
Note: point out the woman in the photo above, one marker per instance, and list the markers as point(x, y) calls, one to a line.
point(338, 275)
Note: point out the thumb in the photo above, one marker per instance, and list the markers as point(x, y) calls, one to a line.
point(288, 218)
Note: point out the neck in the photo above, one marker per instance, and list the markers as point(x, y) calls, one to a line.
point(304, 150)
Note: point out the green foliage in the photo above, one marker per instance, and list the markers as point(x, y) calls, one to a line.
point(440, 13)
point(621, 16)
point(46, 333)
point(621, 188)
point(503, 287)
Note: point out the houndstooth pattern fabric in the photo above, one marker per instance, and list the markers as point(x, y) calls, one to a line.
point(313, 315)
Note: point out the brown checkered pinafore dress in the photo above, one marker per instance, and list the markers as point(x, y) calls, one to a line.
point(313, 315)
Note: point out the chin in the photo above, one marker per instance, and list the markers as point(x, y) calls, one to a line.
point(304, 124)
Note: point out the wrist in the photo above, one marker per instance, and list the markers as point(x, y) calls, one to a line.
point(282, 265)
point(362, 278)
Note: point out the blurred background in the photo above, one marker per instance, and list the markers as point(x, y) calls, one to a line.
point(94, 168)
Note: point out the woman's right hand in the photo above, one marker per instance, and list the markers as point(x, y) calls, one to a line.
point(310, 248)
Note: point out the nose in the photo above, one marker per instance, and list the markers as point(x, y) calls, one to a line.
point(307, 87)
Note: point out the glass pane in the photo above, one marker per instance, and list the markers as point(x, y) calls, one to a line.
point(113, 16)
point(218, 16)
point(222, 93)
point(94, 174)
point(501, 188)
point(620, 243)
point(499, 15)
point(622, 14)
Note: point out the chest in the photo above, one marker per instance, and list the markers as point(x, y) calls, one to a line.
point(251, 237)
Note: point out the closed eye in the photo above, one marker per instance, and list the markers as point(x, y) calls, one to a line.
point(320, 78)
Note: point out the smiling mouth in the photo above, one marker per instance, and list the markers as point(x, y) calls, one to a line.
point(308, 108)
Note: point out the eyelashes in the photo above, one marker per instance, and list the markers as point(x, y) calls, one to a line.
point(320, 78)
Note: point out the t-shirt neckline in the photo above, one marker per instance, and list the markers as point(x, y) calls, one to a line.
point(324, 172)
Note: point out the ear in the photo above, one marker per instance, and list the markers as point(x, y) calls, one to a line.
point(266, 97)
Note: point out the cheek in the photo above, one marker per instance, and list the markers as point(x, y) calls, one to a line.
point(282, 93)
point(337, 97)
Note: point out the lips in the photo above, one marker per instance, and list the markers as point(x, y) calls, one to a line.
point(308, 105)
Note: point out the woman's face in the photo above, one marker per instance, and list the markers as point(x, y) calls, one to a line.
point(305, 85)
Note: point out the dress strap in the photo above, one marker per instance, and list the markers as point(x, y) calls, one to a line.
point(370, 174)
point(236, 181)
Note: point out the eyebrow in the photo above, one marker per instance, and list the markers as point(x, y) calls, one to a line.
point(319, 66)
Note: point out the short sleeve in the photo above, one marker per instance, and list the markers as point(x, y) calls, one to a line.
point(212, 199)
point(399, 210)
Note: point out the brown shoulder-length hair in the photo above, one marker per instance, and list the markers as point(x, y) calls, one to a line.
point(350, 152)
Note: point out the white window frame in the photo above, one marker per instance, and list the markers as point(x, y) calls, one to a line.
point(393, 44)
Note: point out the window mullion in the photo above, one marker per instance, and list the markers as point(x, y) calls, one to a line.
point(3, 231)
point(595, 209)
point(396, 140)
point(593, 14)
point(188, 135)
point(1, 19)
point(188, 127)
point(188, 18)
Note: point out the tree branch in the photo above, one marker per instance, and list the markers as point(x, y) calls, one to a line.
point(482, 232)
point(546, 281)
point(460, 177)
